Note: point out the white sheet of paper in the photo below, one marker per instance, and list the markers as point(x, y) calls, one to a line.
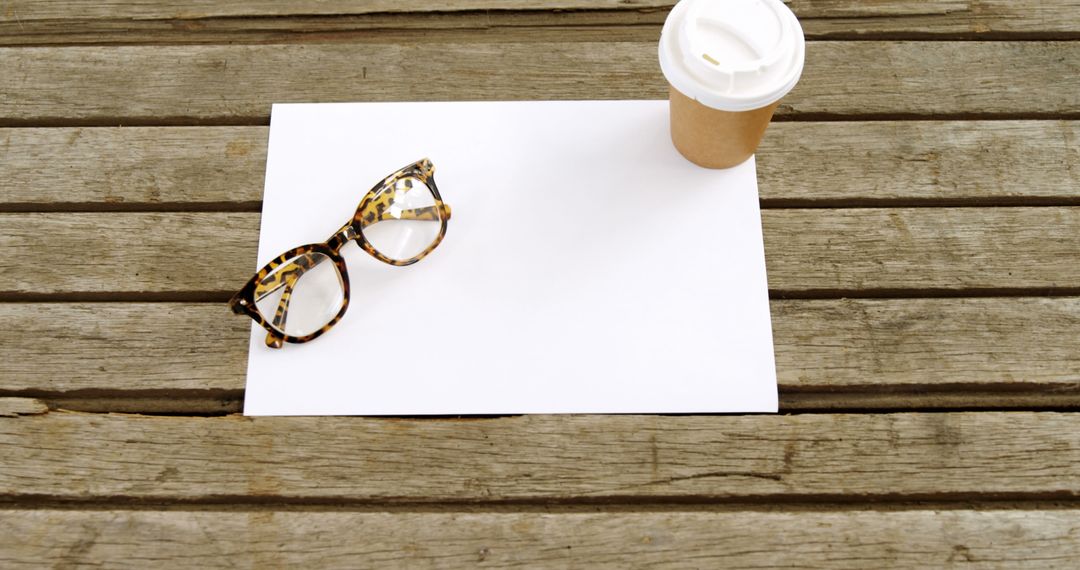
point(587, 268)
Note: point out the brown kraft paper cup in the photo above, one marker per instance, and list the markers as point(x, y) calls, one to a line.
point(713, 138)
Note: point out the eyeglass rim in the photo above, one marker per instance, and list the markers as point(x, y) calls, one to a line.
point(244, 301)
point(422, 170)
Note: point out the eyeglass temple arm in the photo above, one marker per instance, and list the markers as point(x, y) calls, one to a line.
point(291, 273)
point(286, 278)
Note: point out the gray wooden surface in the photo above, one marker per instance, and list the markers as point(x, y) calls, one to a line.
point(921, 195)
point(198, 84)
point(525, 539)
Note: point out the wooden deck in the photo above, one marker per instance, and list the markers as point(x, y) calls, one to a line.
point(921, 195)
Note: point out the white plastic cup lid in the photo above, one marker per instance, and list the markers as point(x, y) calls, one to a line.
point(732, 55)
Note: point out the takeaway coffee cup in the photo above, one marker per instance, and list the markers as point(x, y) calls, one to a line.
point(728, 63)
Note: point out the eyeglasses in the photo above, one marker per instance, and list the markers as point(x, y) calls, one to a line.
point(304, 292)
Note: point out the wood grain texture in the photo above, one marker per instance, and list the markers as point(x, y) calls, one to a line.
point(236, 84)
point(1055, 13)
point(914, 344)
point(109, 348)
point(168, 252)
point(14, 407)
point(966, 17)
point(808, 251)
point(270, 539)
point(1017, 162)
point(28, 10)
point(931, 248)
point(668, 491)
point(894, 163)
point(904, 353)
point(941, 456)
point(125, 167)
point(27, 20)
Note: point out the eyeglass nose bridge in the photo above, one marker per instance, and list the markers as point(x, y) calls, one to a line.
point(341, 237)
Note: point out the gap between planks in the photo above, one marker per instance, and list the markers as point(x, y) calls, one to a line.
point(263, 119)
point(765, 203)
point(118, 36)
point(810, 502)
point(886, 294)
point(584, 505)
point(226, 403)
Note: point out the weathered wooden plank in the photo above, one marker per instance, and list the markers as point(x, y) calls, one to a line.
point(981, 162)
point(123, 167)
point(166, 252)
point(819, 17)
point(237, 83)
point(13, 407)
point(29, 11)
point(967, 17)
point(909, 353)
point(739, 539)
point(110, 348)
point(910, 345)
point(808, 251)
point(587, 25)
point(1018, 162)
point(929, 248)
point(485, 26)
point(942, 456)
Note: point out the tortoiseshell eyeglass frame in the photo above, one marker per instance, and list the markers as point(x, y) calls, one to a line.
point(372, 209)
